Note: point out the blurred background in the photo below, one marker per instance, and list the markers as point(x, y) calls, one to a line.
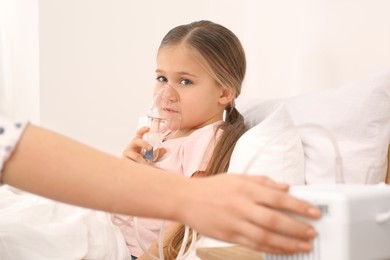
point(86, 67)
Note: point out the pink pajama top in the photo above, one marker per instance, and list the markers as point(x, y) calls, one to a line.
point(185, 156)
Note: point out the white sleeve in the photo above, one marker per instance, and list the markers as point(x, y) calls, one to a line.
point(10, 133)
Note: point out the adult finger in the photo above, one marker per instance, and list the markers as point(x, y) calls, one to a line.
point(134, 156)
point(267, 241)
point(266, 181)
point(280, 199)
point(277, 231)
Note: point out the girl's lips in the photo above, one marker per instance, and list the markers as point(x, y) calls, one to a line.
point(169, 110)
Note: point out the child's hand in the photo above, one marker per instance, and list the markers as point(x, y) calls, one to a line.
point(134, 148)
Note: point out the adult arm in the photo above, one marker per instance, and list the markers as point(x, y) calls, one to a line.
point(237, 209)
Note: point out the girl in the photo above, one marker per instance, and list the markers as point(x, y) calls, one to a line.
point(205, 63)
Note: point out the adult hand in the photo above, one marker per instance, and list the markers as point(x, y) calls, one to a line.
point(248, 210)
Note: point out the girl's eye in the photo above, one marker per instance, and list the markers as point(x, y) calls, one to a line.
point(162, 79)
point(185, 82)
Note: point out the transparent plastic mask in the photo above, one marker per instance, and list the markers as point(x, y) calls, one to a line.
point(164, 119)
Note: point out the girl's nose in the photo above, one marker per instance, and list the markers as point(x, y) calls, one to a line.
point(170, 93)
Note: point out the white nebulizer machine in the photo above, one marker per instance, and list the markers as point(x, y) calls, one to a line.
point(355, 222)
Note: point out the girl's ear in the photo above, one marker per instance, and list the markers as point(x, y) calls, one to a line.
point(226, 97)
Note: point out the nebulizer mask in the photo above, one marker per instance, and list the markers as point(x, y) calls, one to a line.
point(164, 118)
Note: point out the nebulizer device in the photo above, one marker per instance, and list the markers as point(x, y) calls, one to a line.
point(164, 119)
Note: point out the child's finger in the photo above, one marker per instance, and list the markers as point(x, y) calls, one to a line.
point(136, 157)
point(136, 146)
point(140, 132)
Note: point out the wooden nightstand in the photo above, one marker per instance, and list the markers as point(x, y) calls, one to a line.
point(228, 253)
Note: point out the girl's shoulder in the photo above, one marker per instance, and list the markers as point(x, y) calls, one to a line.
point(203, 136)
point(206, 130)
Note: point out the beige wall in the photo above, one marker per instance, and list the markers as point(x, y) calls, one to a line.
point(96, 57)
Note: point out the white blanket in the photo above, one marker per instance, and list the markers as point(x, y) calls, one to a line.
point(32, 227)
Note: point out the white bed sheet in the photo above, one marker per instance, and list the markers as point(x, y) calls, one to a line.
point(32, 227)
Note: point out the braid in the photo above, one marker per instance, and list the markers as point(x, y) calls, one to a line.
point(233, 128)
point(172, 249)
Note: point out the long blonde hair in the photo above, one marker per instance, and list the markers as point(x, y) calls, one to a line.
point(226, 62)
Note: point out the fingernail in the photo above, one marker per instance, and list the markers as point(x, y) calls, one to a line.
point(315, 212)
point(303, 246)
point(311, 232)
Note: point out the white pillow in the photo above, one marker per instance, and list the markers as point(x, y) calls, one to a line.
point(358, 116)
point(271, 148)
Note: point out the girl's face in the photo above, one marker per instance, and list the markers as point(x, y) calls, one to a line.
point(202, 100)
